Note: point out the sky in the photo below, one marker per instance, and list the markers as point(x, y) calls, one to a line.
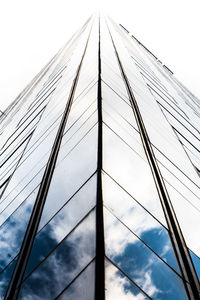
point(32, 31)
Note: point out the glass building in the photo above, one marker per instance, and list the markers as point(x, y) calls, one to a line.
point(99, 179)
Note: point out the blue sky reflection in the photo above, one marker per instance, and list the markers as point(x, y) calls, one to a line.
point(140, 263)
point(68, 259)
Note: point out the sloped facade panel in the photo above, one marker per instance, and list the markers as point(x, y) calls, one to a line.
point(99, 180)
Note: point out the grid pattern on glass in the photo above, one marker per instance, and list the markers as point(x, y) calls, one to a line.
point(119, 286)
point(62, 223)
point(32, 163)
point(82, 287)
point(9, 166)
point(12, 231)
point(70, 257)
point(139, 263)
point(145, 106)
point(142, 224)
point(127, 168)
point(138, 249)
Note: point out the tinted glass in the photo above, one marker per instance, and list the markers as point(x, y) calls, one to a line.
point(64, 264)
point(139, 263)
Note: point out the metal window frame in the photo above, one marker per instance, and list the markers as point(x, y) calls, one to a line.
point(188, 271)
point(18, 273)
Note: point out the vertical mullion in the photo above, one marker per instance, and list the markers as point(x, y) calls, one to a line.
point(31, 231)
point(100, 251)
point(180, 248)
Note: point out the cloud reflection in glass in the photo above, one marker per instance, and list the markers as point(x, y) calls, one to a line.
point(65, 263)
point(136, 260)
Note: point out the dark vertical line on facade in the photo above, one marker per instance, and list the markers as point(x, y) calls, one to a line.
point(99, 271)
point(31, 231)
point(180, 248)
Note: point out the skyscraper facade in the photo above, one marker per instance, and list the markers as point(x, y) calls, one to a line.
point(99, 180)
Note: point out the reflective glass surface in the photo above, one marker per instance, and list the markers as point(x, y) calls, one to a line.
point(83, 286)
point(63, 223)
point(138, 220)
point(5, 277)
point(12, 231)
point(186, 211)
point(117, 105)
point(8, 165)
point(63, 264)
point(73, 169)
point(139, 259)
point(118, 286)
point(139, 263)
point(132, 172)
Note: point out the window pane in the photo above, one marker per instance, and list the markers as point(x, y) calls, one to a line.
point(150, 273)
point(64, 264)
point(13, 230)
point(83, 287)
point(63, 223)
point(119, 287)
point(131, 172)
point(5, 277)
point(138, 220)
point(71, 172)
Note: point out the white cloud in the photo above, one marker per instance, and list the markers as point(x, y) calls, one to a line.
point(117, 287)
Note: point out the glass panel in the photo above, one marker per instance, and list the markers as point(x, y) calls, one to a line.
point(71, 172)
point(26, 123)
point(131, 172)
point(81, 98)
point(12, 202)
point(128, 134)
point(82, 107)
point(117, 85)
point(12, 231)
point(64, 264)
point(119, 287)
point(150, 273)
point(42, 141)
point(192, 137)
point(188, 216)
point(83, 287)
point(115, 105)
point(62, 223)
point(163, 137)
point(11, 161)
point(76, 119)
point(28, 171)
point(167, 102)
point(141, 64)
point(172, 112)
point(73, 137)
point(157, 86)
point(148, 75)
point(16, 141)
point(5, 277)
point(110, 69)
point(175, 171)
point(45, 91)
point(138, 220)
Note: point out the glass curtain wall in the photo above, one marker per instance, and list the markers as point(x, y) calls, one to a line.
point(99, 179)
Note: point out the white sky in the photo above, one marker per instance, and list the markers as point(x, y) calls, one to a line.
point(32, 31)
